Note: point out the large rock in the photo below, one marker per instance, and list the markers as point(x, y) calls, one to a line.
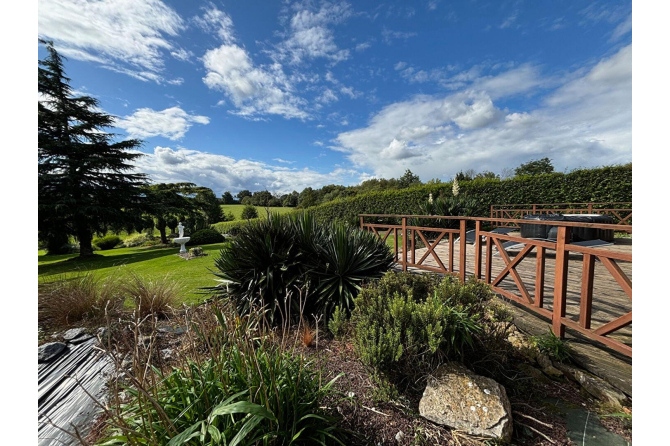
point(76, 334)
point(458, 398)
point(49, 352)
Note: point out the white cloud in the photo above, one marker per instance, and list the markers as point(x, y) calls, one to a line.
point(128, 36)
point(586, 121)
point(222, 173)
point(214, 20)
point(363, 46)
point(254, 90)
point(170, 123)
point(327, 97)
point(309, 35)
point(283, 161)
point(509, 21)
point(622, 29)
point(389, 35)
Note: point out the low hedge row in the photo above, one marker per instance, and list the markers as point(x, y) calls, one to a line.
point(231, 227)
point(606, 184)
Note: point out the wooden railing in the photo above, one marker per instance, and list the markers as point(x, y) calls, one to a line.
point(621, 212)
point(452, 258)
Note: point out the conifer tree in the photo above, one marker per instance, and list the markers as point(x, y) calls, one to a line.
point(85, 179)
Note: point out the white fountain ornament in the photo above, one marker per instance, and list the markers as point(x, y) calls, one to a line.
point(181, 239)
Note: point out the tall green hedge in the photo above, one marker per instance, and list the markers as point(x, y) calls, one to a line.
point(606, 184)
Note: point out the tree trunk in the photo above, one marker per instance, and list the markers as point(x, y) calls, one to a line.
point(85, 237)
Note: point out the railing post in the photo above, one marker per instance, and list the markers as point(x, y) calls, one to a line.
point(560, 283)
point(590, 208)
point(463, 247)
point(404, 243)
point(361, 222)
point(478, 250)
point(492, 212)
point(534, 208)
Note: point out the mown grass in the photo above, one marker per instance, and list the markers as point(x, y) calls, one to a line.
point(236, 209)
point(147, 263)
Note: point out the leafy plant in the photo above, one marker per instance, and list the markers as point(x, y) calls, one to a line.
point(205, 237)
point(136, 240)
point(107, 242)
point(396, 328)
point(271, 257)
point(337, 322)
point(248, 392)
point(553, 346)
point(263, 263)
point(249, 212)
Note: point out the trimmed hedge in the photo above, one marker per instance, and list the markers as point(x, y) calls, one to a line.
point(107, 242)
point(205, 237)
point(606, 184)
point(231, 227)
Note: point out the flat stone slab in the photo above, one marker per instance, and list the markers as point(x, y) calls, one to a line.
point(458, 398)
point(49, 352)
point(73, 333)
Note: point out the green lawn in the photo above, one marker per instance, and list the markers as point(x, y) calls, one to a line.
point(148, 263)
point(236, 209)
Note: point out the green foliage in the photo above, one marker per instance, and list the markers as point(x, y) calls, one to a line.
point(270, 259)
point(107, 242)
point(249, 392)
point(136, 240)
point(553, 346)
point(85, 180)
point(535, 167)
point(231, 227)
point(407, 319)
point(338, 322)
point(249, 212)
point(448, 206)
point(408, 180)
point(205, 237)
point(606, 184)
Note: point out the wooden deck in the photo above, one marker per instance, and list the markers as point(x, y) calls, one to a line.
point(609, 301)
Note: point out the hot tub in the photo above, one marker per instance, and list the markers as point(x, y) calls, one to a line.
point(577, 234)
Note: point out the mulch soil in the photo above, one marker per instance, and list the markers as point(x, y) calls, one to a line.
point(370, 418)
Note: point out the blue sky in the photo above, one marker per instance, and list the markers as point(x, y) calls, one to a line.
point(284, 95)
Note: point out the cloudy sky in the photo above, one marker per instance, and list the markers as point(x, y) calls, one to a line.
point(284, 95)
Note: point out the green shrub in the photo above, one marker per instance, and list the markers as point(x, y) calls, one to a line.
point(552, 345)
point(107, 242)
point(231, 227)
point(136, 240)
point(205, 237)
point(249, 212)
point(248, 392)
point(271, 258)
point(407, 319)
point(338, 322)
point(606, 184)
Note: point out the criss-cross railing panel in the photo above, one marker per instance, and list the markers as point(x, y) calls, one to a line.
point(445, 250)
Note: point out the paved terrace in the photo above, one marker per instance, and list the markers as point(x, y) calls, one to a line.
point(609, 302)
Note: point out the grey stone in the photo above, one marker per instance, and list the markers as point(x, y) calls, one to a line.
point(547, 366)
point(596, 387)
point(458, 398)
point(50, 351)
point(73, 333)
point(166, 353)
point(400, 436)
point(172, 330)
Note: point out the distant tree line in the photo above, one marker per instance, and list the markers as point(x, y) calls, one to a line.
point(313, 197)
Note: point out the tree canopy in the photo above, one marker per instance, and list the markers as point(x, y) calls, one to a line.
point(86, 181)
point(535, 167)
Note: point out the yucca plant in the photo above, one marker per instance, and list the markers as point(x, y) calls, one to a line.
point(262, 265)
point(347, 259)
point(270, 258)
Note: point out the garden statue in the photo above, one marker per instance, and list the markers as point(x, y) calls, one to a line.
point(182, 240)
